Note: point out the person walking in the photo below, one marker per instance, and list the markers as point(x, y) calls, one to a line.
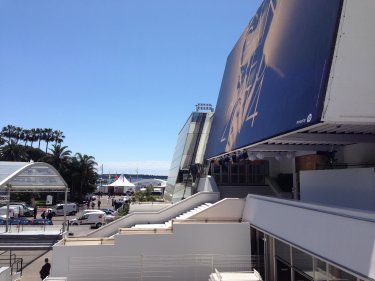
point(43, 215)
point(45, 270)
point(49, 215)
point(35, 211)
point(99, 203)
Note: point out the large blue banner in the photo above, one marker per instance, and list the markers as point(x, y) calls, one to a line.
point(276, 75)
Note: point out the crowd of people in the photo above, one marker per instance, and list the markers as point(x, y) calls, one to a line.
point(47, 215)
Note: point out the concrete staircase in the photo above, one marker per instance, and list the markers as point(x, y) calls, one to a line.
point(28, 242)
point(183, 216)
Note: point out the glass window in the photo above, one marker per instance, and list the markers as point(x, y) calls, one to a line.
point(282, 250)
point(299, 276)
point(320, 270)
point(338, 274)
point(303, 262)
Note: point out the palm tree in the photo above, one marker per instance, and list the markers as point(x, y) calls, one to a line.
point(39, 133)
point(13, 152)
point(26, 135)
point(2, 140)
point(58, 136)
point(33, 136)
point(48, 136)
point(8, 132)
point(18, 133)
point(86, 166)
point(59, 156)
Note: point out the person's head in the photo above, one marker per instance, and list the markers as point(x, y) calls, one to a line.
point(46, 259)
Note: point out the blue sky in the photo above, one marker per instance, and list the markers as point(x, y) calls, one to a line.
point(118, 77)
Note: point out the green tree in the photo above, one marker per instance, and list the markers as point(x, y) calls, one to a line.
point(18, 134)
point(35, 154)
point(9, 132)
point(86, 168)
point(58, 137)
point(59, 156)
point(13, 152)
point(33, 136)
point(2, 140)
point(26, 136)
point(48, 136)
point(39, 134)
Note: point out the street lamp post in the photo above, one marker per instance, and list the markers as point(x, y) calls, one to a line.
point(9, 186)
point(65, 202)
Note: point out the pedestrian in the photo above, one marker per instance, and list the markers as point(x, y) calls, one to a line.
point(92, 204)
point(43, 215)
point(44, 272)
point(35, 211)
point(49, 215)
point(99, 203)
point(88, 204)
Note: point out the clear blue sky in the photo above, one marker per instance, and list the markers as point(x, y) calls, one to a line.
point(118, 77)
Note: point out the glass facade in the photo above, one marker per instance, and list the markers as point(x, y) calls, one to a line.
point(284, 262)
point(189, 150)
point(241, 173)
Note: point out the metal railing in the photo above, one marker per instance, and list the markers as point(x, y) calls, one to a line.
point(15, 264)
point(18, 228)
point(156, 217)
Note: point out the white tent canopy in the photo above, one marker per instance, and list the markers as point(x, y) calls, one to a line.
point(121, 182)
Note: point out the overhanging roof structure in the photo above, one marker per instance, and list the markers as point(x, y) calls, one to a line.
point(319, 137)
point(30, 177)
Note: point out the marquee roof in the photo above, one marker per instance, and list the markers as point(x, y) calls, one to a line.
point(30, 176)
point(122, 181)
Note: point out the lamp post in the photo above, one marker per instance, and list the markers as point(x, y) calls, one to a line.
point(65, 202)
point(9, 186)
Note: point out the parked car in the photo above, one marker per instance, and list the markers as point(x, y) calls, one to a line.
point(107, 217)
point(41, 222)
point(27, 211)
point(71, 209)
point(109, 211)
point(93, 218)
point(13, 211)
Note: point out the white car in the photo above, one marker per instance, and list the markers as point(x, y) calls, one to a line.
point(94, 219)
point(107, 218)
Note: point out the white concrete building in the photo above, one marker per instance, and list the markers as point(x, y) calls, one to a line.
point(295, 117)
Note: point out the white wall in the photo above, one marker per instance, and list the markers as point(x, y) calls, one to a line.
point(350, 95)
point(351, 188)
point(226, 209)
point(203, 238)
point(346, 238)
point(5, 274)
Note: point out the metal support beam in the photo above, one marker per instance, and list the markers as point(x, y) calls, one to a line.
point(322, 138)
point(292, 147)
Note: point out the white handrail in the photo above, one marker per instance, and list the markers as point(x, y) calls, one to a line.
point(156, 217)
